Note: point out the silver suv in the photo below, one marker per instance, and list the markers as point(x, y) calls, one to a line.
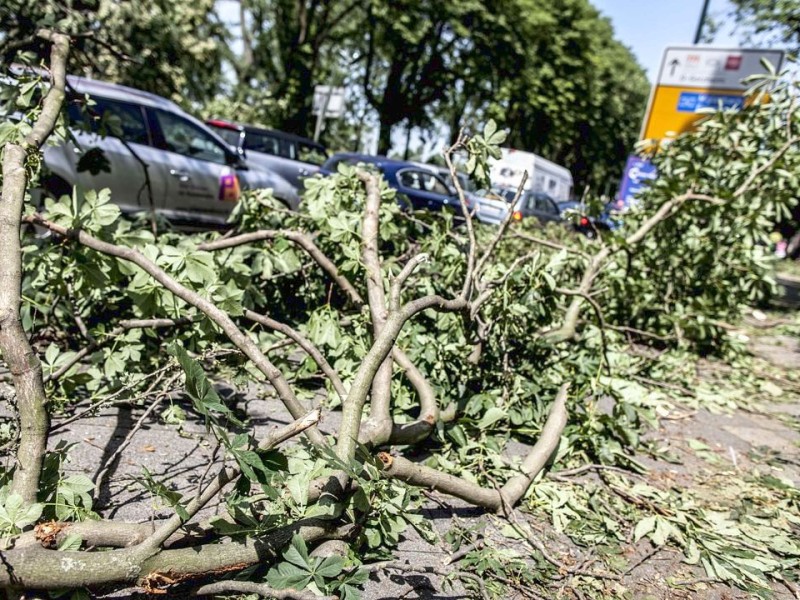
point(151, 154)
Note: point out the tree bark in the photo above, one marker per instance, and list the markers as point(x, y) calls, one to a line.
point(25, 367)
point(37, 568)
point(502, 499)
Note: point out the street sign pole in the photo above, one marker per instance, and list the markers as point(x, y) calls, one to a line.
point(701, 23)
point(321, 114)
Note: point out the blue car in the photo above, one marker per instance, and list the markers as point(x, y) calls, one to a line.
point(418, 188)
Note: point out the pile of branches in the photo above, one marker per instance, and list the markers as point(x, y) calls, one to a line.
point(180, 550)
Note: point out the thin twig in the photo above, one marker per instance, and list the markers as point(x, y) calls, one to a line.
point(100, 479)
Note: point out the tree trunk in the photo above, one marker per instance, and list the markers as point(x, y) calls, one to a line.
point(409, 129)
point(298, 91)
point(385, 138)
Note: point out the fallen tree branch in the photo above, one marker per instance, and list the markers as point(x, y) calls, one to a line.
point(37, 568)
point(24, 365)
point(354, 404)
point(123, 326)
point(418, 430)
point(304, 343)
point(303, 240)
point(497, 500)
point(251, 587)
point(462, 201)
point(224, 477)
point(208, 308)
point(501, 231)
point(378, 427)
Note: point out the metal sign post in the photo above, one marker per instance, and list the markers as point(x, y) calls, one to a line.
point(328, 104)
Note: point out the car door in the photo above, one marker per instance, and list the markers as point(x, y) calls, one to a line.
point(544, 208)
point(277, 154)
point(196, 166)
point(425, 190)
point(111, 149)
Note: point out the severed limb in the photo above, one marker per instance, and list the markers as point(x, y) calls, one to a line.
point(16, 350)
point(208, 308)
point(304, 343)
point(302, 240)
point(505, 498)
point(37, 568)
point(378, 428)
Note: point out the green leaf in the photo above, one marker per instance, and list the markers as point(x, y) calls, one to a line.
point(330, 567)
point(491, 416)
point(643, 528)
point(71, 543)
point(286, 576)
point(297, 553)
point(15, 516)
point(204, 397)
point(489, 129)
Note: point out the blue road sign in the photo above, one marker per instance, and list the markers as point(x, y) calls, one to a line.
point(638, 171)
point(694, 101)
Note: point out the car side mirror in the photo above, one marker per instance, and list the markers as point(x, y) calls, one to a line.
point(238, 162)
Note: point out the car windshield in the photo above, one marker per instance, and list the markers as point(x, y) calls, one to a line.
point(506, 194)
point(229, 135)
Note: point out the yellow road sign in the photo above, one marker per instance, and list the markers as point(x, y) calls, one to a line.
point(695, 78)
point(675, 110)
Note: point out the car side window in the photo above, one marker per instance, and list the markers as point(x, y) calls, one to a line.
point(545, 204)
point(436, 186)
point(114, 118)
point(258, 142)
point(184, 137)
point(424, 181)
point(410, 179)
point(310, 154)
point(232, 136)
point(530, 201)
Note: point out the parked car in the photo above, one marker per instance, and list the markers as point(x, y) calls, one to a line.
point(486, 206)
point(124, 138)
point(418, 187)
point(545, 209)
point(291, 156)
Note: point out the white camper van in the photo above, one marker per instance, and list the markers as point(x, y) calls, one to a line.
point(543, 175)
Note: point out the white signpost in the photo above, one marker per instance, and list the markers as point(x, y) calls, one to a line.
point(328, 104)
point(713, 68)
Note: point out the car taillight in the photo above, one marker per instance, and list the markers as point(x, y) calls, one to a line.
point(584, 221)
point(517, 216)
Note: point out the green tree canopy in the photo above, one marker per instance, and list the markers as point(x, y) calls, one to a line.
point(168, 47)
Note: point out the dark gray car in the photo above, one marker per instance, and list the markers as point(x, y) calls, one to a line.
point(291, 156)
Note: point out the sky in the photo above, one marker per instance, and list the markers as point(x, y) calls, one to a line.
point(649, 26)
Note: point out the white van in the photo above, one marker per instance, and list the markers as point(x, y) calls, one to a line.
point(543, 175)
